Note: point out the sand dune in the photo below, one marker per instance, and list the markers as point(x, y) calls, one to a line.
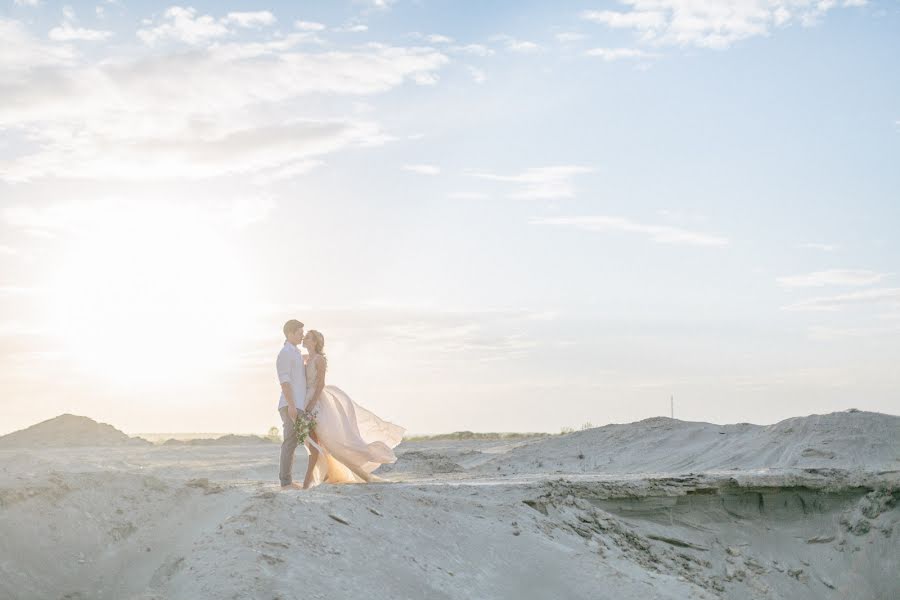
point(806, 508)
point(69, 430)
point(847, 440)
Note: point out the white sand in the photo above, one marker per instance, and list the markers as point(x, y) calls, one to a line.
point(807, 508)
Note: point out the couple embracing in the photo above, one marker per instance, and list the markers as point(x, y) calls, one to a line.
point(348, 441)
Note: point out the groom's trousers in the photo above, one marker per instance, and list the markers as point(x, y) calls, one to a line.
point(288, 446)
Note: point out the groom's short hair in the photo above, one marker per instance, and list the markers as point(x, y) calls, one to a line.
point(291, 326)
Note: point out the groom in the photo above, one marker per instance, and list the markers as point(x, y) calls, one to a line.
point(292, 377)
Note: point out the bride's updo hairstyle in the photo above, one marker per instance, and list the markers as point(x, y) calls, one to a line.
point(320, 344)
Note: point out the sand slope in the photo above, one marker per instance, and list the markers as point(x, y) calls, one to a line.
point(68, 430)
point(745, 514)
point(846, 440)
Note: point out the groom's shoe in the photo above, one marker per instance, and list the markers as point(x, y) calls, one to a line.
point(292, 486)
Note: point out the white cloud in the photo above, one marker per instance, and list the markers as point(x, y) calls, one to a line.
point(287, 171)
point(889, 296)
point(423, 169)
point(351, 29)
point(382, 4)
point(250, 19)
point(662, 234)
point(8, 250)
point(818, 246)
point(611, 54)
point(308, 26)
point(21, 52)
point(832, 277)
point(515, 45)
point(232, 151)
point(184, 26)
point(67, 33)
point(709, 23)
point(474, 49)
point(639, 19)
point(223, 109)
point(434, 38)
point(541, 182)
point(566, 37)
point(68, 30)
point(27, 2)
point(478, 75)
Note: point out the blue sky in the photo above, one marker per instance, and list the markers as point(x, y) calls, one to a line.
point(503, 216)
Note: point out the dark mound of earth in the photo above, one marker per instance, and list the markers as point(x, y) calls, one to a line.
point(69, 430)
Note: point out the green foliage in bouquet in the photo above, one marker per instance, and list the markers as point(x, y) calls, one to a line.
point(304, 425)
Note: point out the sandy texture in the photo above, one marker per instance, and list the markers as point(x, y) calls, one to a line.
point(806, 508)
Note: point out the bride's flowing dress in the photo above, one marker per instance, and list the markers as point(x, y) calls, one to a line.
point(349, 435)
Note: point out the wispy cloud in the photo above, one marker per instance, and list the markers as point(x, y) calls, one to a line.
point(474, 49)
point(183, 25)
point(23, 52)
point(516, 45)
point(380, 4)
point(611, 54)
point(883, 296)
point(423, 169)
point(709, 23)
point(351, 28)
point(824, 333)
point(818, 246)
point(259, 18)
point(478, 75)
point(567, 37)
point(538, 183)
point(232, 118)
point(308, 26)
point(845, 277)
point(662, 234)
point(432, 38)
point(66, 32)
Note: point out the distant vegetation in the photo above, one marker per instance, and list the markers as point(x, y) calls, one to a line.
point(471, 435)
point(586, 425)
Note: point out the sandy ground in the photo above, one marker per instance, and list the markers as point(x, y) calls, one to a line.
point(804, 509)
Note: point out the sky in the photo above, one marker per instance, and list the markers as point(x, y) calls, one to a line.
point(503, 216)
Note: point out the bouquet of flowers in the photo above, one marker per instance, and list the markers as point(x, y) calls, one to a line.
point(304, 425)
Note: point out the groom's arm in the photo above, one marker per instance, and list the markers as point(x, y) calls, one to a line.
point(283, 364)
point(289, 398)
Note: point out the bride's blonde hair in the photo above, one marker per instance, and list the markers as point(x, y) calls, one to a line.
point(320, 344)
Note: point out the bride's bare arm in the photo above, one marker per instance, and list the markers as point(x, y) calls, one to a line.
point(316, 389)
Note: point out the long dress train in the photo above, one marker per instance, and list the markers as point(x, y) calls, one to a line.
point(349, 434)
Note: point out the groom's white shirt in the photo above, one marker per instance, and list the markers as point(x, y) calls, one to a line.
point(292, 370)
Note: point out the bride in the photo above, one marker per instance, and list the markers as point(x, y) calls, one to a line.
point(349, 442)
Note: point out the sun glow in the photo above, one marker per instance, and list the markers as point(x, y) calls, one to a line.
point(151, 295)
